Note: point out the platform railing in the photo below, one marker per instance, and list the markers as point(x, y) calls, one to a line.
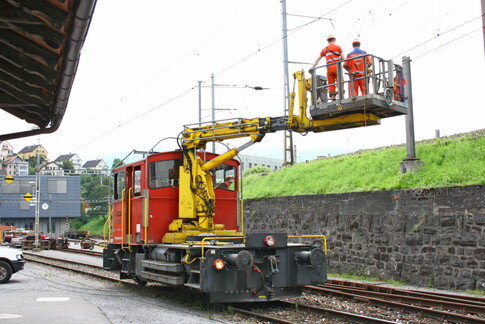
point(378, 78)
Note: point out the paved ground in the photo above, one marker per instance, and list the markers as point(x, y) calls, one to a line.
point(41, 294)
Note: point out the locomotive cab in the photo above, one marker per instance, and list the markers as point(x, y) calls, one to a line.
point(225, 263)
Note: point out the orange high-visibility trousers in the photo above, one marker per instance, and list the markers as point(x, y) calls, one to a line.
point(331, 79)
point(355, 85)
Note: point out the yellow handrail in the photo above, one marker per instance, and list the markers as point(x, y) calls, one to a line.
point(108, 224)
point(123, 218)
point(323, 237)
point(129, 213)
point(146, 215)
point(242, 216)
point(204, 241)
point(129, 216)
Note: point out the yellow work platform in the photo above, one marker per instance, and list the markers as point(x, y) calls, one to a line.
point(367, 104)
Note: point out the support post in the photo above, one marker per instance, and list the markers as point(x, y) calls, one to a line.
point(213, 109)
point(411, 163)
point(288, 157)
point(483, 22)
point(36, 247)
point(200, 102)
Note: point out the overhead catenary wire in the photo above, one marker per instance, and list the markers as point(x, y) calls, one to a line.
point(224, 70)
point(292, 31)
point(136, 117)
point(460, 38)
point(150, 79)
point(393, 11)
point(438, 35)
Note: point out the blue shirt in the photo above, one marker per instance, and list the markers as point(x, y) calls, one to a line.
point(357, 51)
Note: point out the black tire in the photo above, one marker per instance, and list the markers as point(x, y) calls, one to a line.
point(5, 272)
point(141, 282)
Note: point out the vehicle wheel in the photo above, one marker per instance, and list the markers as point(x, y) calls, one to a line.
point(140, 282)
point(5, 271)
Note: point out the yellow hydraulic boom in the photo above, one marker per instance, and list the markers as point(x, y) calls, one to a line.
point(196, 190)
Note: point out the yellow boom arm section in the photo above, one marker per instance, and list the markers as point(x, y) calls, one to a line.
point(196, 190)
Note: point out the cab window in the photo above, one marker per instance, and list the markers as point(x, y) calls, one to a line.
point(164, 173)
point(137, 182)
point(119, 184)
point(224, 177)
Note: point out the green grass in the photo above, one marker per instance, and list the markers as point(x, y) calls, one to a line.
point(365, 278)
point(475, 292)
point(447, 162)
point(94, 226)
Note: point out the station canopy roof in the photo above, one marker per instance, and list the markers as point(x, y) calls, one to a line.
point(40, 46)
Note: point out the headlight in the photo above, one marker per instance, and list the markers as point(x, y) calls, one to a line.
point(218, 264)
point(20, 257)
point(269, 240)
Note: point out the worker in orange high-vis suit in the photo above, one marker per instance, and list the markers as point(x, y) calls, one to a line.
point(333, 55)
point(357, 69)
point(399, 83)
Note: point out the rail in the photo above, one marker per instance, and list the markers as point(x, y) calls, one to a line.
point(378, 75)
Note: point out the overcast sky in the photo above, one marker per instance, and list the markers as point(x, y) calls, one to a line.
point(140, 55)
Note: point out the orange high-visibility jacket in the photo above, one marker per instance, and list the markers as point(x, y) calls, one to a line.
point(356, 66)
point(332, 54)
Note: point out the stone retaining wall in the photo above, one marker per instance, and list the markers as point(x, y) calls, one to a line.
point(430, 237)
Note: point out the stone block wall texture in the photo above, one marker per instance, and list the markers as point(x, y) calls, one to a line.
point(428, 237)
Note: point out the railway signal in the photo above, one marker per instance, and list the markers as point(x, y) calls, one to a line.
point(28, 196)
point(9, 178)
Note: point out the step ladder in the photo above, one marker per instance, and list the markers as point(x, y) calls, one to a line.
point(194, 279)
point(171, 273)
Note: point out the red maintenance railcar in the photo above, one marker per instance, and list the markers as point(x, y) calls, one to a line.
point(147, 197)
point(153, 238)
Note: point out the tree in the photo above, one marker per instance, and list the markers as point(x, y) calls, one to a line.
point(67, 165)
point(96, 189)
point(33, 163)
point(33, 160)
point(116, 163)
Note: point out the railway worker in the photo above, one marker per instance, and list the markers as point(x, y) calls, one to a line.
point(333, 55)
point(399, 82)
point(357, 69)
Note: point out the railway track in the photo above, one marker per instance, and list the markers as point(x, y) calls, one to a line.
point(87, 252)
point(435, 305)
point(80, 267)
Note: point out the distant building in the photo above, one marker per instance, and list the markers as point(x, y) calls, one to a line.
point(32, 151)
point(14, 165)
point(52, 168)
point(96, 166)
point(5, 150)
point(249, 161)
point(60, 201)
point(73, 157)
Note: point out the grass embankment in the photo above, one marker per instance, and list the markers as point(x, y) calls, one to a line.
point(94, 226)
point(447, 162)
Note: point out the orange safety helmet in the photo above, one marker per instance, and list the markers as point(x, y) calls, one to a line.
point(356, 41)
point(330, 37)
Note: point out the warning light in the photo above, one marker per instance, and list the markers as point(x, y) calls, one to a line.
point(218, 264)
point(9, 178)
point(28, 196)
